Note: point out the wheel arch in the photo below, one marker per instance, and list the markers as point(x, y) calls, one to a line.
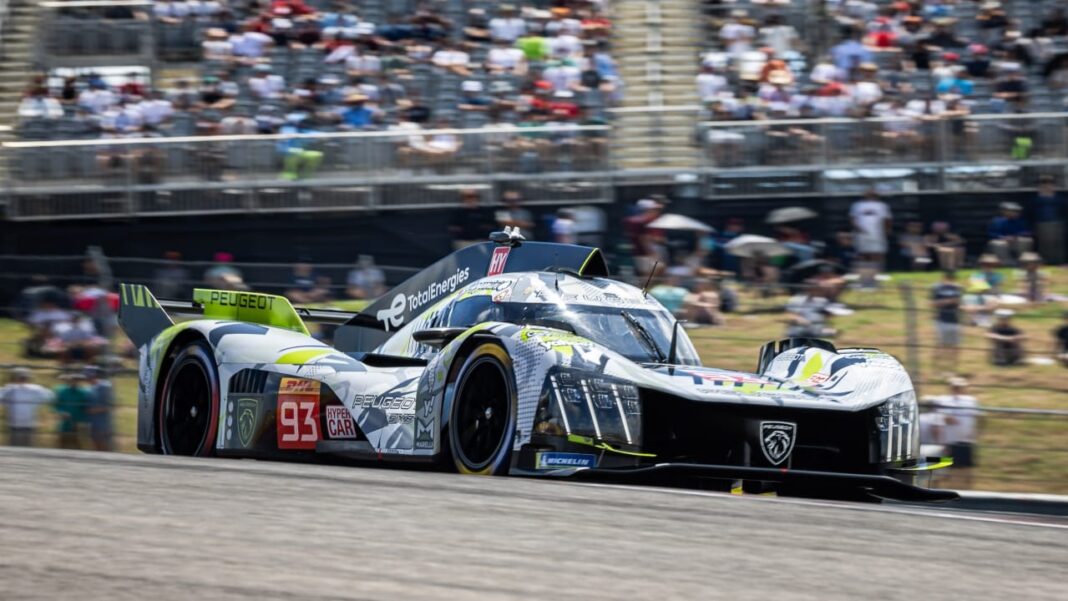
point(165, 353)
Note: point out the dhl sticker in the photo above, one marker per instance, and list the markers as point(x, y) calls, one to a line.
point(298, 386)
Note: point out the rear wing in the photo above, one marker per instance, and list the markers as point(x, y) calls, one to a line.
point(387, 314)
point(143, 317)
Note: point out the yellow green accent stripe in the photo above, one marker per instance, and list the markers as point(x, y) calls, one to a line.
point(603, 446)
point(302, 356)
point(812, 366)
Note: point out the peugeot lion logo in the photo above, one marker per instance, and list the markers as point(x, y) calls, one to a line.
point(777, 440)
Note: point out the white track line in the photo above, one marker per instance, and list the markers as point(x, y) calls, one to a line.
point(948, 514)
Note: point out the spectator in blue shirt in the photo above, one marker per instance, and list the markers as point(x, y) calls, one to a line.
point(956, 83)
point(1009, 233)
point(851, 52)
point(1049, 209)
point(356, 115)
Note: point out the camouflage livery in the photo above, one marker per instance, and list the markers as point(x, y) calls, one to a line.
point(603, 377)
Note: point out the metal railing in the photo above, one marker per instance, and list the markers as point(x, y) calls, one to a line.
point(420, 168)
point(88, 33)
point(324, 171)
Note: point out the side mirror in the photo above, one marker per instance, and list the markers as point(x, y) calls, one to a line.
point(437, 337)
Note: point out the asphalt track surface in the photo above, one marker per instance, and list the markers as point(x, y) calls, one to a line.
point(104, 526)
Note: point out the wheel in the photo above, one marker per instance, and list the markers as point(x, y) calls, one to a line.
point(189, 402)
point(482, 419)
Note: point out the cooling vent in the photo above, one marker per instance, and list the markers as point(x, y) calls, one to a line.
point(249, 381)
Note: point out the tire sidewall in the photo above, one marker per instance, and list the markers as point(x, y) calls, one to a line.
point(501, 461)
point(198, 352)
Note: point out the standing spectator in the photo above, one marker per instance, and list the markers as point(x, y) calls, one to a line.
point(1049, 214)
point(367, 280)
point(470, 224)
point(171, 279)
point(306, 287)
point(872, 222)
point(1006, 339)
point(514, 215)
point(98, 412)
point(946, 297)
point(1009, 233)
point(952, 424)
point(637, 229)
point(1060, 341)
point(20, 398)
point(72, 400)
point(563, 227)
point(223, 274)
point(1034, 281)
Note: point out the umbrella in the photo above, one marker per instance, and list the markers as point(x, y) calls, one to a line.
point(749, 245)
point(806, 269)
point(791, 214)
point(674, 221)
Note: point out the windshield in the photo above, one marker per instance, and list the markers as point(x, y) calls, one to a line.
point(641, 335)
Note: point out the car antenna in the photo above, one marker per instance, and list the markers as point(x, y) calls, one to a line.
point(645, 289)
point(556, 280)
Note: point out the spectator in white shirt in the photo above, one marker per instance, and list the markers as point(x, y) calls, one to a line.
point(250, 45)
point(565, 45)
point(264, 84)
point(710, 83)
point(39, 105)
point(21, 398)
point(777, 35)
point(507, 26)
point(365, 63)
point(156, 109)
point(453, 59)
point(504, 57)
point(217, 46)
point(96, 99)
point(563, 75)
point(737, 35)
point(872, 221)
point(367, 280)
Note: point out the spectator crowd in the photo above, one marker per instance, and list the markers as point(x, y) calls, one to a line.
point(287, 66)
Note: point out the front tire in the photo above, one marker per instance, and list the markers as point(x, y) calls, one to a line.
point(483, 415)
point(189, 402)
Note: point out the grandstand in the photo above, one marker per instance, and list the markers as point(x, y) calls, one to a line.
point(138, 108)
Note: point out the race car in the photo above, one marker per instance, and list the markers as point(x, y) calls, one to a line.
point(516, 357)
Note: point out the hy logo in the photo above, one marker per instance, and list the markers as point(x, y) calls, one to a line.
point(498, 260)
point(777, 440)
point(247, 415)
point(393, 317)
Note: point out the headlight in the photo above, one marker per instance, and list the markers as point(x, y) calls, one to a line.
point(899, 430)
point(590, 405)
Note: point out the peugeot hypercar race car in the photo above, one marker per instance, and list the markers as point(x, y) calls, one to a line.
point(513, 357)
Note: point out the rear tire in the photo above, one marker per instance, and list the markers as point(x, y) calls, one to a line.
point(188, 416)
point(482, 420)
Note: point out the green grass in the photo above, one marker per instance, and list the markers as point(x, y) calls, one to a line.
point(1016, 454)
